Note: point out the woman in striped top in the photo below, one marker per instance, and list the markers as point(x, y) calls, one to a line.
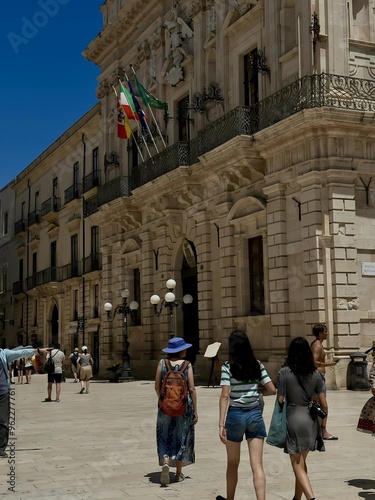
point(241, 412)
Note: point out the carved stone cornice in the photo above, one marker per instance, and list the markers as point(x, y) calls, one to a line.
point(128, 21)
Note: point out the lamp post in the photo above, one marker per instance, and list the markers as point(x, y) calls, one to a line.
point(123, 309)
point(170, 302)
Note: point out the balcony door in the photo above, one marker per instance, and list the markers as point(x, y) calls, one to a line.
point(53, 260)
point(55, 325)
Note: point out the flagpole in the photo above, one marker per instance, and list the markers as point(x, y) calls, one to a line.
point(148, 128)
point(138, 125)
point(153, 116)
point(134, 139)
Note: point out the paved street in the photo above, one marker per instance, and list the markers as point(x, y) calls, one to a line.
point(102, 446)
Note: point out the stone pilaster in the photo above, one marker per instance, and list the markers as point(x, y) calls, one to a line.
point(277, 263)
point(345, 296)
point(150, 256)
point(203, 247)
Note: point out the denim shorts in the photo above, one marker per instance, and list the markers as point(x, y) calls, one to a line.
point(245, 421)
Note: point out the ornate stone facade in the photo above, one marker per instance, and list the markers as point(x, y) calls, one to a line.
point(271, 191)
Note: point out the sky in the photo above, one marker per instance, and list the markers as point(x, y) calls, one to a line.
point(46, 84)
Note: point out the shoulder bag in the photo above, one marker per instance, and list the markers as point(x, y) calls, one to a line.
point(277, 430)
point(314, 407)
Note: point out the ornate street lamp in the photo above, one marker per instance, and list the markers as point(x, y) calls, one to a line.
point(170, 302)
point(123, 309)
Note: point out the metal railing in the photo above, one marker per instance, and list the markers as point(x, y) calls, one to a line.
point(175, 156)
point(92, 263)
point(53, 204)
point(20, 226)
point(72, 193)
point(313, 91)
point(33, 217)
point(91, 180)
point(18, 287)
point(116, 188)
point(52, 275)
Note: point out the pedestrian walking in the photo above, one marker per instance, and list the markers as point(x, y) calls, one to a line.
point(297, 382)
point(20, 368)
point(85, 363)
point(243, 380)
point(320, 332)
point(57, 357)
point(74, 364)
point(366, 422)
point(28, 369)
point(8, 356)
point(177, 410)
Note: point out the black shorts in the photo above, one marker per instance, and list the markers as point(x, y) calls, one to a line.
point(54, 377)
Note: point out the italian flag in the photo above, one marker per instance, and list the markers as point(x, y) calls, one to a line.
point(127, 103)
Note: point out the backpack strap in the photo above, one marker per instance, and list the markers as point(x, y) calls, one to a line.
point(168, 365)
point(184, 365)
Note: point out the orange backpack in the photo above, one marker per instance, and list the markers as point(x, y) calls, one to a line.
point(174, 391)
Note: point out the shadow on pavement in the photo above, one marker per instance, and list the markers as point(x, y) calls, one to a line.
point(364, 484)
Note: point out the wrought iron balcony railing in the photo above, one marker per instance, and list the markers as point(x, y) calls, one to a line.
point(91, 180)
point(313, 91)
point(33, 217)
point(169, 159)
point(20, 226)
point(113, 189)
point(53, 204)
point(72, 193)
point(92, 263)
point(50, 275)
point(18, 287)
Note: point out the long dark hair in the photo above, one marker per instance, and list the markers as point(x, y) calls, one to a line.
point(243, 364)
point(300, 357)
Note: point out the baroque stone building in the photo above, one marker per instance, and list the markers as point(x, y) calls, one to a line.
point(256, 196)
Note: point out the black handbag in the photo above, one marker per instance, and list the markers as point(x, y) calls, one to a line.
point(314, 407)
point(316, 410)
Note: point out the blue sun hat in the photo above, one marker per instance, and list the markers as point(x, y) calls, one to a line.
point(177, 344)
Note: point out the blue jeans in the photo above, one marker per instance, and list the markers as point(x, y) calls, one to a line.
point(245, 421)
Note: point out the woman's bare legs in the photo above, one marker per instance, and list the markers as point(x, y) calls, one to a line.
point(255, 446)
point(233, 461)
point(299, 467)
point(298, 491)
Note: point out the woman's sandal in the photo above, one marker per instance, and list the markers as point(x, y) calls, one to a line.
point(179, 477)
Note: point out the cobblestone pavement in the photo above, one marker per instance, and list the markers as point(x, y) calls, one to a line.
point(102, 446)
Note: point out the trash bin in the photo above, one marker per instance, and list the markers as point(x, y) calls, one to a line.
point(357, 374)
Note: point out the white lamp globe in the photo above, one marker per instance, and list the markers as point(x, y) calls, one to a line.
point(133, 305)
point(169, 297)
point(187, 299)
point(171, 284)
point(155, 299)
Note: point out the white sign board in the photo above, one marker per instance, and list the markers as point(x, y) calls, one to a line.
point(212, 350)
point(368, 268)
